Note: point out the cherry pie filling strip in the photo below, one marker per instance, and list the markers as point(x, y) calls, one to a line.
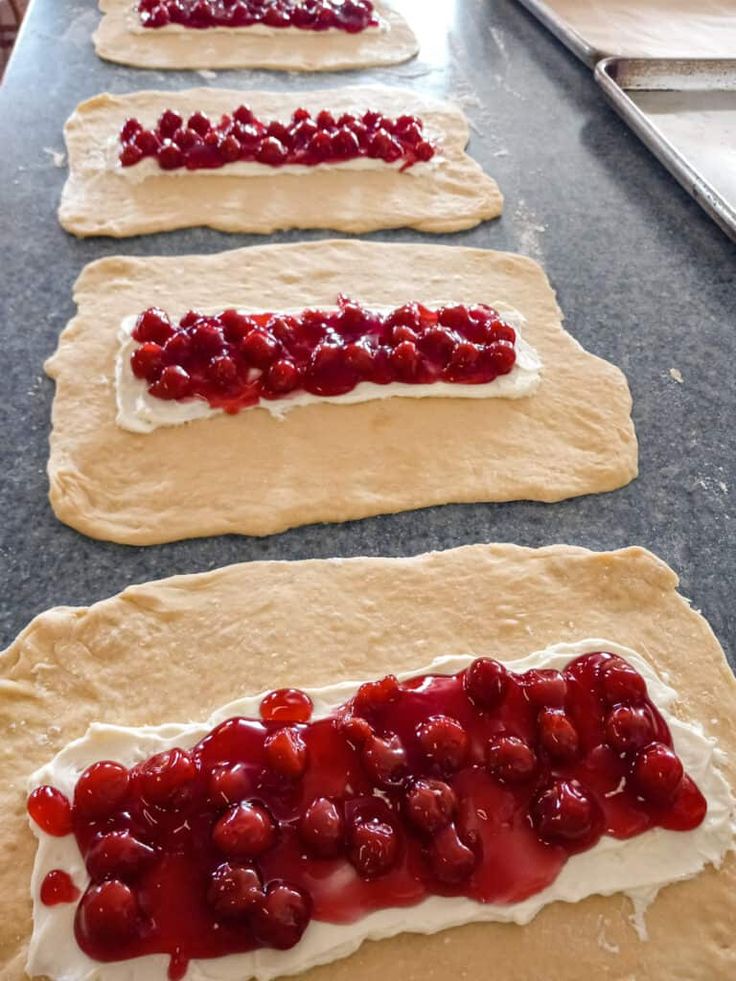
point(170, 371)
point(295, 824)
point(242, 143)
point(265, 17)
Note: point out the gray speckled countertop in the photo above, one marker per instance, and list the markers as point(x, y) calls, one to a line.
point(645, 280)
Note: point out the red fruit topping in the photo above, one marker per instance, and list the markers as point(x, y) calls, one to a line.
point(286, 705)
point(628, 728)
point(357, 731)
point(485, 683)
point(375, 695)
point(206, 143)
point(147, 361)
point(107, 913)
point(430, 805)
point(545, 687)
point(557, 735)
point(622, 683)
point(173, 383)
point(118, 855)
point(373, 848)
point(510, 759)
point(245, 831)
point(57, 887)
point(283, 916)
point(51, 811)
point(131, 127)
point(452, 862)
point(260, 348)
point(323, 352)
point(232, 845)
point(100, 789)
point(272, 152)
point(286, 753)
point(167, 779)
point(283, 376)
point(235, 891)
point(444, 743)
point(230, 784)
point(565, 812)
point(657, 773)
point(153, 325)
point(170, 156)
point(322, 829)
point(169, 123)
point(130, 155)
point(384, 760)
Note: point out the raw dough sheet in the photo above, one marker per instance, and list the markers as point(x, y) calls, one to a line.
point(97, 200)
point(307, 51)
point(654, 28)
point(254, 474)
point(176, 649)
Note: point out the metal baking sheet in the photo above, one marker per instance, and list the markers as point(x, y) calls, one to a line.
point(685, 112)
point(563, 30)
point(596, 29)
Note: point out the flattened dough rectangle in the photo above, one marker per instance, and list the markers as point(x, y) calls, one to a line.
point(97, 200)
point(308, 51)
point(253, 474)
point(199, 641)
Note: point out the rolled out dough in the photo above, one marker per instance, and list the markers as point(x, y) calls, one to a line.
point(307, 51)
point(96, 200)
point(177, 648)
point(251, 473)
point(654, 28)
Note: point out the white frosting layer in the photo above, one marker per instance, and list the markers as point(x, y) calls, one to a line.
point(638, 867)
point(141, 412)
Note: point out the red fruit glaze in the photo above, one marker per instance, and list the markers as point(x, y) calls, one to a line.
point(286, 705)
point(208, 144)
point(458, 785)
point(233, 361)
point(57, 887)
point(51, 811)
point(100, 789)
point(351, 16)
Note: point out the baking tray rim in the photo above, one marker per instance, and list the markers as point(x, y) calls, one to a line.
point(606, 74)
point(572, 39)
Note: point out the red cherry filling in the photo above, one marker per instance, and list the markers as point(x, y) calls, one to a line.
point(57, 887)
point(485, 683)
point(479, 784)
point(283, 916)
point(245, 831)
point(430, 805)
point(510, 759)
point(205, 144)
point(373, 848)
point(286, 705)
point(444, 743)
point(352, 16)
point(51, 811)
point(235, 890)
point(233, 360)
point(565, 812)
point(657, 773)
point(286, 753)
point(167, 779)
point(118, 855)
point(322, 829)
point(100, 789)
point(107, 913)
